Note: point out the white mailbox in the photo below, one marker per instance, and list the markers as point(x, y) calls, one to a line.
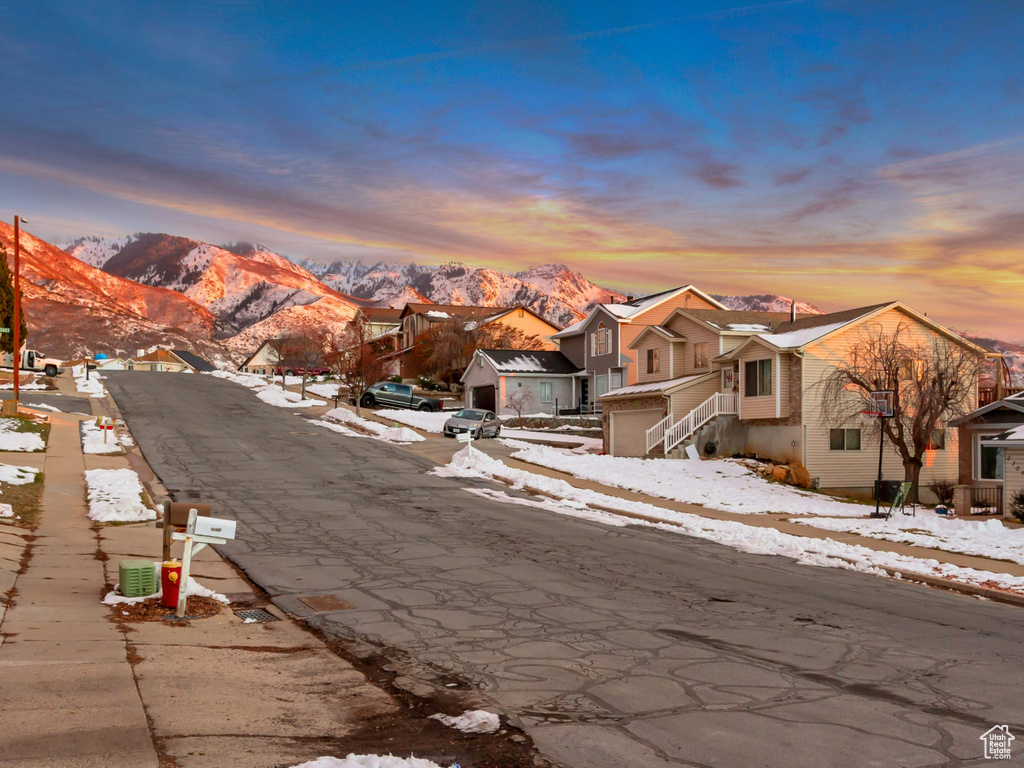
point(215, 526)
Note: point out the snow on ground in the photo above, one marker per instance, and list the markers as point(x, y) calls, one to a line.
point(471, 721)
point(589, 443)
point(719, 484)
point(578, 502)
point(13, 475)
point(245, 379)
point(24, 442)
point(400, 435)
point(369, 761)
point(428, 421)
point(194, 588)
point(88, 386)
point(323, 390)
point(115, 496)
point(285, 399)
point(32, 385)
point(985, 538)
point(6, 510)
point(101, 441)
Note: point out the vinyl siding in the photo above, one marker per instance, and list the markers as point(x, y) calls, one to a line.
point(775, 405)
point(686, 400)
point(660, 343)
point(695, 333)
point(1014, 476)
point(531, 325)
point(601, 363)
point(859, 469)
point(572, 348)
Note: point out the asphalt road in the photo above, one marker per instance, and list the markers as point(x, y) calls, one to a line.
point(611, 646)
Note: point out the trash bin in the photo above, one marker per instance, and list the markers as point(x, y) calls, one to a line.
point(170, 581)
point(886, 490)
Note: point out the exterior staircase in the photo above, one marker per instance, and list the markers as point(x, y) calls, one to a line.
point(666, 434)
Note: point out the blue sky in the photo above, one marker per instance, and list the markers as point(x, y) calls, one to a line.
point(842, 152)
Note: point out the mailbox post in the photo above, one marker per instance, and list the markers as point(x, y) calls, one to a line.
point(467, 438)
point(199, 531)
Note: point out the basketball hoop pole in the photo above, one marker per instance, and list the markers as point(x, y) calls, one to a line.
point(881, 444)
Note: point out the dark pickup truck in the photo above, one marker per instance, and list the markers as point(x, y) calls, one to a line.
point(391, 395)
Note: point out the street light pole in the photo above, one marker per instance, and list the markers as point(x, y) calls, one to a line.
point(16, 356)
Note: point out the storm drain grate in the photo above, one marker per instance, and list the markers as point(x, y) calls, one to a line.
point(323, 603)
point(255, 614)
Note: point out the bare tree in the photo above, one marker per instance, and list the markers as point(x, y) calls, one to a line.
point(357, 357)
point(302, 352)
point(933, 380)
point(517, 400)
point(445, 349)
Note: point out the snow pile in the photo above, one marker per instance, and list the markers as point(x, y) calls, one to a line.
point(369, 761)
point(984, 538)
point(285, 399)
point(88, 386)
point(194, 588)
point(12, 440)
point(100, 442)
point(245, 379)
point(13, 475)
point(471, 721)
point(6, 510)
point(115, 495)
point(719, 484)
point(550, 436)
point(428, 421)
point(578, 502)
point(31, 385)
point(323, 390)
point(390, 434)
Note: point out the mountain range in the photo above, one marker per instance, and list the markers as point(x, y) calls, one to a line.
point(150, 289)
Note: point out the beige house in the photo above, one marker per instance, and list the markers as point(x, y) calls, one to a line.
point(170, 361)
point(750, 382)
point(265, 360)
point(417, 319)
point(1011, 447)
point(600, 344)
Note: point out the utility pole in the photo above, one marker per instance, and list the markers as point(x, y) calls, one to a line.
point(16, 357)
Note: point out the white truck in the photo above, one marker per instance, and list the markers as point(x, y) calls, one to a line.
point(31, 360)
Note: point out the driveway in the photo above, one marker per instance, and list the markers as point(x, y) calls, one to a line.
point(610, 646)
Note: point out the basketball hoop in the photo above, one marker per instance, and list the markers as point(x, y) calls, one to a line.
point(882, 403)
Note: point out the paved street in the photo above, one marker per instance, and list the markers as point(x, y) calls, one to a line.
point(609, 646)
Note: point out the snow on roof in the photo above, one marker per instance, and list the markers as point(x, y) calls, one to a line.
point(529, 361)
point(570, 330)
point(748, 327)
point(1015, 435)
point(440, 315)
point(802, 336)
point(656, 386)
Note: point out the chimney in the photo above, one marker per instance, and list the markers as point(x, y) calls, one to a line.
point(792, 311)
point(140, 353)
point(629, 297)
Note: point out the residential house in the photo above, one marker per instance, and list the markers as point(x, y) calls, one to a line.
point(599, 344)
point(547, 378)
point(265, 359)
point(1010, 445)
point(171, 361)
point(982, 463)
point(751, 383)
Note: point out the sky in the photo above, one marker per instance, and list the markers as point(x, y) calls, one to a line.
point(843, 152)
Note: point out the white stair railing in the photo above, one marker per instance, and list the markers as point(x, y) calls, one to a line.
point(656, 434)
point(720, 403)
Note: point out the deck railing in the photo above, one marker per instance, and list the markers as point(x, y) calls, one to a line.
point(719, 404)
point(656, 434)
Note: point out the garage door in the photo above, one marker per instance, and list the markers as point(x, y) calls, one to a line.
point(483, 397)
point(629, 430)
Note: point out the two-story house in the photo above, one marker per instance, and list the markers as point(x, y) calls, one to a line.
point(751, 383)
point(599, 344)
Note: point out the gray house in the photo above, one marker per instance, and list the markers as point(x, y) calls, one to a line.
point(543, 379)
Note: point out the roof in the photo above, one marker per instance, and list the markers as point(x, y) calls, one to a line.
point(660, 330)
point(160, 356)
point(1012, 403)
point(503, 312)
point(382, 314)
point(655, 387)
point(197, 362)
point(1012, 438)
point(450, 310)
point(274, 344)
point(529, 361)
point(629, 309)
point(741, 321)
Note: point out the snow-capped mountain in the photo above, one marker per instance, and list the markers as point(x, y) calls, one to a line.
point(766, 303)
point(95, 251)
point(240, 287)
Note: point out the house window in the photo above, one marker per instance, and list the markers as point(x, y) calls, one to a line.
point(600, 340)
point(991, 463)
point(700, 355)
point(844, 439)
point(600, 385)
point(911, 370)
point(653, 364)
point(757, 375)
point(546, 392)
point(937, 441)
point(614, 380)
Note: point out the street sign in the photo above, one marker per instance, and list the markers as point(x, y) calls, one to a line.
point(5, 330)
